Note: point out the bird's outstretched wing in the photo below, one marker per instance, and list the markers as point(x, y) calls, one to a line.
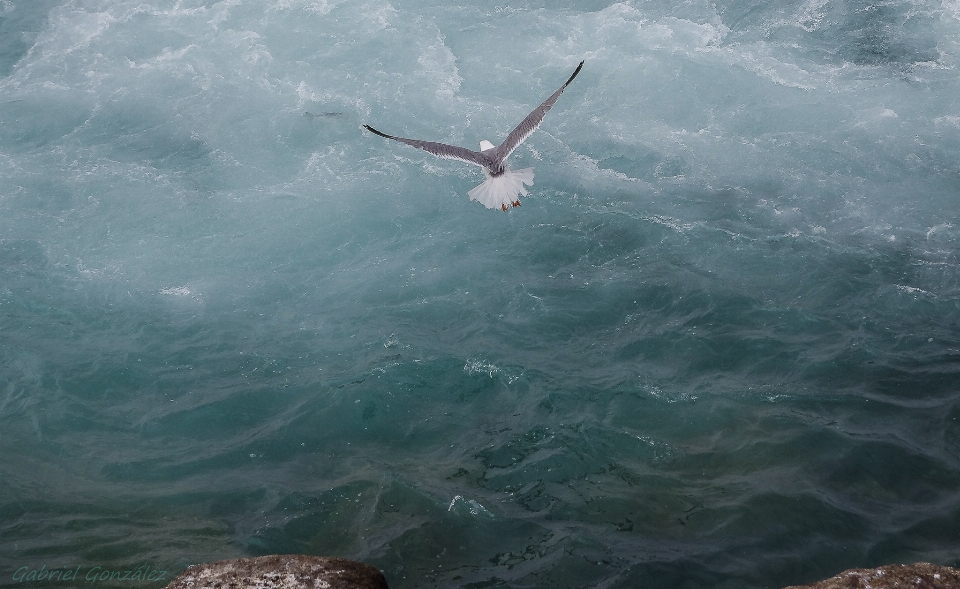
point(528, 125)
point(451, 152)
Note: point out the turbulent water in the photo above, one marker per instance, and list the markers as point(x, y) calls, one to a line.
point(717, 346)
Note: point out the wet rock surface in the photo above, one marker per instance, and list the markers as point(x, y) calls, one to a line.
point(921, 575)
point(292, 571)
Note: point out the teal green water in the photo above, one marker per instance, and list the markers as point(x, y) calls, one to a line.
point(716, 347)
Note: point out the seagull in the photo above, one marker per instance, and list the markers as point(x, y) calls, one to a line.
point(502, 185)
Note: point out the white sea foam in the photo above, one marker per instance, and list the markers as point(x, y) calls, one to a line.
point(177, 291)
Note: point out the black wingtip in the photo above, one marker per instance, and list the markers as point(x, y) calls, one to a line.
point(574, 74)
point(375, 132)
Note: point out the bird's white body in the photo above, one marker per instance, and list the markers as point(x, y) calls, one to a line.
point(503, 191)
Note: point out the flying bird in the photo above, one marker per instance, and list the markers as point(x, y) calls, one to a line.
point(502, 186)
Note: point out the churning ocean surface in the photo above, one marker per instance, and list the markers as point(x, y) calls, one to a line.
point(717, 346)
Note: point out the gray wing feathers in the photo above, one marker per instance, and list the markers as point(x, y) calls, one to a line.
point(530, 124)
point(491, 157)
point(443, 150)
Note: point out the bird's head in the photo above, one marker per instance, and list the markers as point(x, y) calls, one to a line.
point(485, 145)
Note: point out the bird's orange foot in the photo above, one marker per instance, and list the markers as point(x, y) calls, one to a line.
point(504, 207)
point(516, 203)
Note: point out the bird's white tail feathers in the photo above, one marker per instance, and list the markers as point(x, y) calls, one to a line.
point(501, 192)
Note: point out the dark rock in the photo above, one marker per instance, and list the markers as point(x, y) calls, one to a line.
point(921, 575)
point(293, 571)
